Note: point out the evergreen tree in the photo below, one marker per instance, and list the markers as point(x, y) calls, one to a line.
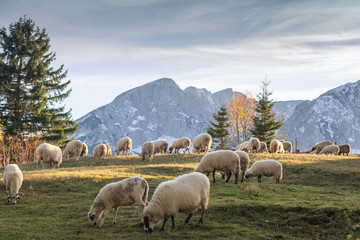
point(31, 89)
point(265, 124)
point(219, 129)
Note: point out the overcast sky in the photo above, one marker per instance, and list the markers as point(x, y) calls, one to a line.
point(109, 46)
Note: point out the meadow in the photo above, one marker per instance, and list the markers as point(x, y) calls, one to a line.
point(318, 198)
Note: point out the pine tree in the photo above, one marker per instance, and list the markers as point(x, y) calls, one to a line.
point(265, 124)
point(219, 129)
point(31, 89)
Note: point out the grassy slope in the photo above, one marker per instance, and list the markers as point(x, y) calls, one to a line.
point(319, 198)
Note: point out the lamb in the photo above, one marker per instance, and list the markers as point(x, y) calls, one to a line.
point(183, 194)
point(263, 147)
point(75, 148)
point(124, 145)
point(276, 146)
point(287, 146)
point(47, 153)
point(122, 193)
point(320, 145)
point(330, 149)
point(84, 151)
point(13, 179)
point(253, 145)
point(268, 168)
point(345, 148)
point(221, 160)
point(160, 146)
point(147, 149)
point(180, 143)
point(100, 150)
point(202, 143)
point(242, 146)
point(108, 150)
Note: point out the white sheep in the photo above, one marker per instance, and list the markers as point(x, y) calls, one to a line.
point(287, 146)
point(74, 148)
point(147, 149)
point(13, 179)
point(242, 146)
point(268, 168)
point(180, 143)
point(122, 193)
point(183, 194)
point(244, 162)
point(222, 160)
point(330, 149)
point(263, 147)
point(100, 150)
point(124, 145)
point(160, 146)
point(84, 151)
point(48, 153)
point(276, 146)
point(320, 145)
point(253, 145)
point(202, 143)
point(108, 150)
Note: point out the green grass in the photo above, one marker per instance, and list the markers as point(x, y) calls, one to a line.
point(318, 198)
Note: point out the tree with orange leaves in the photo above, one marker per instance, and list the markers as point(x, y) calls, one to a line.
point(241, 110)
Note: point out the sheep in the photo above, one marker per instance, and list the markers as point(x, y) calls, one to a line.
point(244, 162)
point(263, 147)
point(345, 148)
point(160, 146)
point(202, 143)
point(183, 194)
point(242, 146)
point(108, 150)
point(253, 145)
point(268, 168)
point(330, 149)
point(47, 153)
point(13, 179)
point(124, 145)
point(320, 145)
point(84, 151)
point(276, 146)
point(221, 160)
point(75, 148)
point(100, 150)
point(147, 149)
point(122, 193)
point(180, 143)
point(287, 146)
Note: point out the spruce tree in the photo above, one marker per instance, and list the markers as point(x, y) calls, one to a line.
point(265, 124)
point(31, 89)
point(219, 129)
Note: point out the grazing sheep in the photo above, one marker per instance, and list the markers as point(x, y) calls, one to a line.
point(244, 162)
point(242, 146)
point(183, 194)
point(287, 146)
point(74, 148)
point(221, 160)
point(268, 168)
point(160, 146)
point(202, 143)
point(108, 150)
point(100, 150)
point(276, 146)
point(122, 193)
point(263, 147)
point(84, 151)
point(13, 179)
point(330, 149)
point(147, 149)
point(320, 145)
point(124, 145)
point(253, 145)
point(345, 148)
point(180, 143)
point(47, 153)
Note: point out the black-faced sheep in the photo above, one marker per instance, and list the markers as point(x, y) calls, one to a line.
point(222, 160)
point(108, 150)
point(276, 146)
point(74, 148)
point(160, 146)
point(123, 193)
point(287, 146)
point(13, 179)
point(180, 143)
point(330, 149)
point(268, 168)
point(47, 153)
point(147, 149)
point(124, 145)
point(263, 147)
point(202, 143)
point(183, 194)
point(84, 151)
point(100, 150)
point(320, 145)
point(344, 149)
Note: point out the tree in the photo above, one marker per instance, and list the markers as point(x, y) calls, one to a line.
point(219, 129)
point(241, 110)
point(265, 123)
point(31, 89)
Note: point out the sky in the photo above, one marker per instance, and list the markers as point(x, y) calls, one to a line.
point(304, 48)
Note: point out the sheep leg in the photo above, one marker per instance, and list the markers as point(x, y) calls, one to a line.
point(115, 214)
point(103, 218)
point(188, 218)
point(173, 222)
point(228, 178)
point(259, 179)
point(214, 176)
point(208, 174)
point(163, 226)
point(202, 216)
point(277, 180)
point(222, 175)
point(242, 176)
point(236, 178)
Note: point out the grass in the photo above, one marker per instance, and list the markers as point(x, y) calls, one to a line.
point(318, 198)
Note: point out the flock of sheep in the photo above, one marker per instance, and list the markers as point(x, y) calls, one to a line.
point(183, 194)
